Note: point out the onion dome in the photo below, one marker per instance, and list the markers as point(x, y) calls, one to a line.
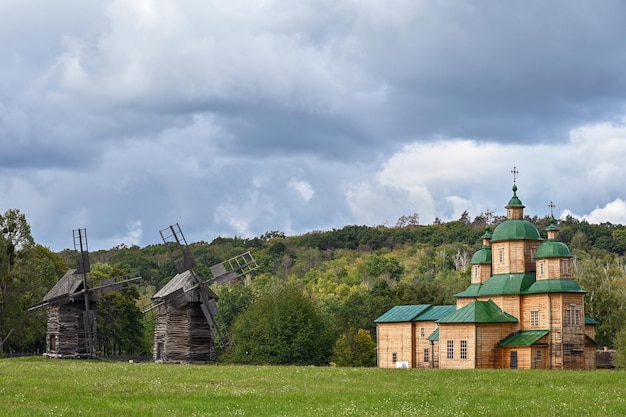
point(515, 201)
point(515, 229)
point(552, 248)
point(483, 256)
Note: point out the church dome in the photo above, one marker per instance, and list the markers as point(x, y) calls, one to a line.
point(515, 229)
point(483, 256)
point(553, 249)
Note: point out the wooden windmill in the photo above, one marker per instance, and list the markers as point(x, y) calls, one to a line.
point(72, 304)
point(188, 321)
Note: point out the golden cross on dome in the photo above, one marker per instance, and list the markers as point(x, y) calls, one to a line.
point(514, 171)
point(552, 206)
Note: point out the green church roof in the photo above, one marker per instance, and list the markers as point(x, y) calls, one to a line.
point(500, 284)
point(515, 229)
point(523, 338)
point(400, 314)
point(435, 313)
point(483, 256)
point(554, 285)
point(553, 249)
point(479, 312)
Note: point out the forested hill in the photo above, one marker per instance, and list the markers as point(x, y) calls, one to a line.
point(343, 279)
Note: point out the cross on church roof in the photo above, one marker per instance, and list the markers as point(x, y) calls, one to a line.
point(514, 171)
point(552, 206)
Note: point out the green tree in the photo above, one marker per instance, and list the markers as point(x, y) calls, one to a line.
point(355, 348)
point(120, 322)
point(34, 272)
point(15, 236)
point(619, 357)
point(282, 328)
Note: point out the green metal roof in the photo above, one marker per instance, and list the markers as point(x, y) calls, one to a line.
point(523, 338)
point(435, 313)
point(434, 336)
point(515, 229)
point(472, 291)
point(554, 285)
point(402, 313)
point(483, 256)
point(479, 312)
point(553, 249)
point(500, 284)
point(589, 320)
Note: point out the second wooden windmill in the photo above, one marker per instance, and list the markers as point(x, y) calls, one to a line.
point(188, 322)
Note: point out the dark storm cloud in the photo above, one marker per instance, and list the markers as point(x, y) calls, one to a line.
point(243, 117)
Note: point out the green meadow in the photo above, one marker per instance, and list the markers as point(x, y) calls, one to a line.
point(46, 387)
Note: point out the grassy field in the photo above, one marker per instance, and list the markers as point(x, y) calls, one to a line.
point(45, 387)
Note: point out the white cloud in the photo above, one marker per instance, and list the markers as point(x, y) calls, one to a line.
point(303, 188)
point(613, 212)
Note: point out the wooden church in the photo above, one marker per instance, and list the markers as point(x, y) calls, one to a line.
point(522, 309)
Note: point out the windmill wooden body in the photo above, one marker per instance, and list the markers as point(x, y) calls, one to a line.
point(71, 329)
point(72, 304)
point(188, 322)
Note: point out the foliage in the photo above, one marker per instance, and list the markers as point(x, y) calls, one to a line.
point(15, 236)
point(355, 348)
point(619, 356)
point(120, 326)
point(282, 328)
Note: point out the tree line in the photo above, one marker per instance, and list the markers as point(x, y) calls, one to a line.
point(314, 297)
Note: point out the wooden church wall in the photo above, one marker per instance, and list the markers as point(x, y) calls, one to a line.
point(395, 338)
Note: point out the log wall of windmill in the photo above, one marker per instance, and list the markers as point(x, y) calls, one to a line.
point(182, 335)
point(65, 331)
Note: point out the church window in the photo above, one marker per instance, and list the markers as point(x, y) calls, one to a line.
point(572, 315)
point(394, 357)
point(422, 332)
point(501, 255)
point(463, 349)
point(541, 268)
point(426, 353)
point(476, 270)
point(533, 252)
point(534, 318)
point(450, 350)
point(565, 267)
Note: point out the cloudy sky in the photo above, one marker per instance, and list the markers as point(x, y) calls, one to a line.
point(244, 116)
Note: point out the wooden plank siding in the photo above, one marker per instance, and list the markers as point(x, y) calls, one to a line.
point(456, 333)
point(423, 329)
point(65, 334)
point(516, 256)
point(535, 302)
point(398, 339)
point(528, 357)
point(488, 353)
point(182, 335)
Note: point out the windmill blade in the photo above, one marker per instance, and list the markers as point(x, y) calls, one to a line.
point(233, 268)
point(213, 316)
point(175, 234)
point(111, 284)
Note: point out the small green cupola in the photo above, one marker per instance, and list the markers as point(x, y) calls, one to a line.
point(483, 255)
point(552, 248)
point(515, 227)
point(481, 261)
point(515, 208)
